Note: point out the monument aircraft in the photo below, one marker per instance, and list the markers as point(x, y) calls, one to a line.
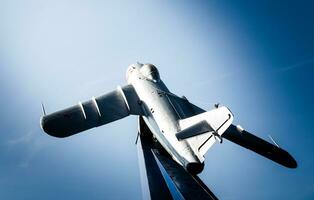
point(183, 130)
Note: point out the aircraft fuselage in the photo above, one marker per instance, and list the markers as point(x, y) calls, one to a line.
point(161, 116)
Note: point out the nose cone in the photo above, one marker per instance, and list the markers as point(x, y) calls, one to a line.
point(150, 72)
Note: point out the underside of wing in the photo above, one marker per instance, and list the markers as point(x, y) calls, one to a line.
point(96, 112)
point(259, 146)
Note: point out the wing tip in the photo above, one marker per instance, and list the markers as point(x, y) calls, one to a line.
point(44, 125)
point(284, 158)
point(291, 162)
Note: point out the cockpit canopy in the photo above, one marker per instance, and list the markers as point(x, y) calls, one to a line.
point(150, 72)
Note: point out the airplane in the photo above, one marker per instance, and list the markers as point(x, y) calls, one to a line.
point(185, 131)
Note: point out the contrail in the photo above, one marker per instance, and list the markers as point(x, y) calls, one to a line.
point(301, 64)
point(31, 145)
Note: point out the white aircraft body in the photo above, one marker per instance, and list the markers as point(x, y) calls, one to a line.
point(168, 122)
point(184, 130)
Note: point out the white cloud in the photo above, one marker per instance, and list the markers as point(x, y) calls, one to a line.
point(28, 144)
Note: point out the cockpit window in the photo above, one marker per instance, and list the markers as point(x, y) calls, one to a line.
point(130, 69)
point(150, 72)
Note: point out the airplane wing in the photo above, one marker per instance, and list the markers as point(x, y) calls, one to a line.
point(96, 112)
point(259, 146)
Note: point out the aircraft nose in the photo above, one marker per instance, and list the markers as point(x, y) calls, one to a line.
point(132, 68)
point(150, 72)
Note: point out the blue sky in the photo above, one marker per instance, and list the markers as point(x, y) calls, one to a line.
point(256, 58)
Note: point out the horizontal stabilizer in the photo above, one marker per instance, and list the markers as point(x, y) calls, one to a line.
point(259, 146)
point(204, 129)
point(194, 130)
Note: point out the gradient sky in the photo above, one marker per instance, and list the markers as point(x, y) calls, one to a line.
point(255, 58)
